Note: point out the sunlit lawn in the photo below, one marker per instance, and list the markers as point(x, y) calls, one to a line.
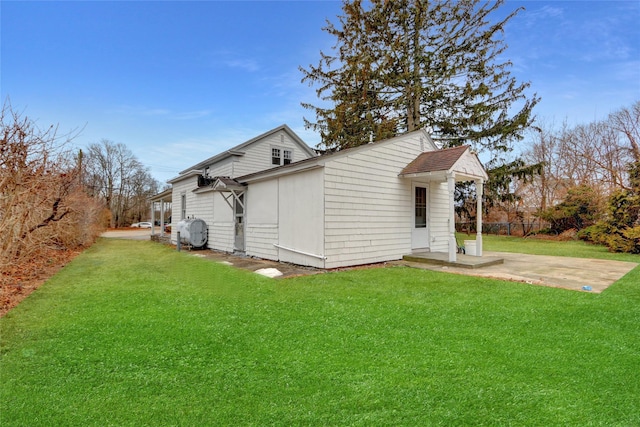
point(134, 333)
point(534, 246)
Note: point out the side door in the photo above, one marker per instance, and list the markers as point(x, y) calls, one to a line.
point(420, 223)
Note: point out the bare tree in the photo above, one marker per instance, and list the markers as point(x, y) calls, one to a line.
point(550, 185)
point(595, 154)
point(113, 174)
point(627, 122)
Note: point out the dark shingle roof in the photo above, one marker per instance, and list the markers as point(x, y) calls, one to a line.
point(432, 161)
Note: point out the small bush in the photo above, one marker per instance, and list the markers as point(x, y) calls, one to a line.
point(581, 208)
point(596, 233)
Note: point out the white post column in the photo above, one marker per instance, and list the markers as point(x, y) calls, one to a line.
point(451, 186)
point(162, 217)
point(153, 218)
point(479, 192)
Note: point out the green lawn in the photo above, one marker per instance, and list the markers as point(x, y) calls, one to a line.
point(574, 248)
point(134, 333)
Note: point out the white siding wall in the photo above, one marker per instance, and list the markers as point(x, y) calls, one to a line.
point(208, 206)
point(438, 206)
point(221, 227)
point(223, 168)
point(211, 207)
point(262, 219)
point(257, 156)
point(300, 217)
point(179, 188)
point(368, 208)
point(355, 210)
point(468, 165)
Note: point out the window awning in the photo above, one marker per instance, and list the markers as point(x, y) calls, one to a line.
point(460, 161)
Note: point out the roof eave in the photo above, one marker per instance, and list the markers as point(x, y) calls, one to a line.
point(279, 171)
point(186, 174)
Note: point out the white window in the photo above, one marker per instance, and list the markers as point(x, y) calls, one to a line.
point(421, 207)
point(183, 206)
point(281, 156)
point(275, 156)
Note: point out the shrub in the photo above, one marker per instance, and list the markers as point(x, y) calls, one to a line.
point(580, 209)
point(42, 202)
point(620, 230)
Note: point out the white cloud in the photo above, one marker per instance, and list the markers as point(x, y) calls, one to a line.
point(191, 115)
point(242, 63)
point(234, 60)
point(142, 111)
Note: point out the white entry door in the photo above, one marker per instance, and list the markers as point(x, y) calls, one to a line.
point(420, 230)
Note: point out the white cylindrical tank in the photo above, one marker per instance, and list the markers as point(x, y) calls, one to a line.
point(193, 232)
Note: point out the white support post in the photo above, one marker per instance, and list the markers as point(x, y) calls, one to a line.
point(479, 192)
point(161, 217)
point(451, 186)
point(153, 218)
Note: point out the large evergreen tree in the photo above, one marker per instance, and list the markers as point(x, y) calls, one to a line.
point(402, 65)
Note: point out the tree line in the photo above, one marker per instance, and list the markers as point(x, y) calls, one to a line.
point(589, 180)
point(55, 197)
point(586, 175)
point(112, 174)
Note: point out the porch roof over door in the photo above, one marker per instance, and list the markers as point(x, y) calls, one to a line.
point(164, 196)
point(436, 165)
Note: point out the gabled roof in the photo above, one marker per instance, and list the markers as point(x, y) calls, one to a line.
point(459, 160)
point(432, 161)
point(238, 149)
point(319, 161)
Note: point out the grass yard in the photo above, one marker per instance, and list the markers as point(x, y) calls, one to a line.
point(134, 333)
point(533, 246)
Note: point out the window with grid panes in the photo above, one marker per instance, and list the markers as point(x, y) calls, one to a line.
point(275, 156)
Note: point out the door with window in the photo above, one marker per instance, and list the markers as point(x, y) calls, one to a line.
point(238, 213)
point(420, 229)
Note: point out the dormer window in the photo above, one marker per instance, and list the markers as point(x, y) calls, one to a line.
point(281, 156)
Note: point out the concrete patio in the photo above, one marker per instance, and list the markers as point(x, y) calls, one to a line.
point(578, 274)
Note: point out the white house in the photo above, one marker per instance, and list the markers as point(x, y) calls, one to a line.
point(273, 198)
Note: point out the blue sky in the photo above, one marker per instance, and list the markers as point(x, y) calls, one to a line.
point(178, 82)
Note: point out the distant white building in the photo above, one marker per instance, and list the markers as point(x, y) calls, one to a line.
point(272, 197)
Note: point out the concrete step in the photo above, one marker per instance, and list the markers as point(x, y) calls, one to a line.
point(464, 261)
